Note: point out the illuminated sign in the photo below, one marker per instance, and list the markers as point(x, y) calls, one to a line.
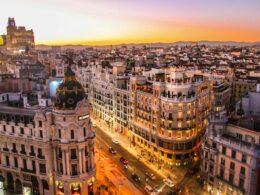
point(83, 117)
point(1, 40)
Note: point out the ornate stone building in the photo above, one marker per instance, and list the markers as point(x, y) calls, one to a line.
point(49, 150)
point(18, 38)
point(168, 114)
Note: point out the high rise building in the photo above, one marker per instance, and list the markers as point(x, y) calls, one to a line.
point(48, 150)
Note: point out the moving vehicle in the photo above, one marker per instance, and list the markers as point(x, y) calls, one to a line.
point(135, 177)
point(168, 182)
point(149, 190)
point(115, 141)
point(123, 160)
point(150, 175)
point(112, 150)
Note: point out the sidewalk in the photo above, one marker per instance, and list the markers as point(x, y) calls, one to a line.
point(176, 173)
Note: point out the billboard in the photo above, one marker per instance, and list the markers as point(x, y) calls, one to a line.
point(53, 85)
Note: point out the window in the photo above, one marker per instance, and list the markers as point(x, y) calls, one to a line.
point(42, 168)
point(40, 123)
point(232, 166)
point(14, 147)
point(84, 132)
point(74, 169)
point(222, 161)
point(39, 151)
point(61, 168)
point(7, 163)
point(15, 162)
point(169, 155)
point(41, 135)
point(12, 129)
point(241, 183)
point(24, 164)
point(23, 149)
point(239, 136)
point(73, 153)
point(59, 133)
point(72, 134)
point(242, 171)
point(243, 158)
point(231, 178)
point(4, 127)
point(233, 154)
point(221, 173)
point(224, 150)
point(21, 130)
point(86, 151)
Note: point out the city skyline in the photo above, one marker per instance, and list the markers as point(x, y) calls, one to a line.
point(115, 22)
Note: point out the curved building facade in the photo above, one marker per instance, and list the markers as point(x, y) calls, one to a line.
point(169, 113)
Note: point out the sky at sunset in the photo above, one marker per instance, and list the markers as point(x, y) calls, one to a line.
point(98, 22)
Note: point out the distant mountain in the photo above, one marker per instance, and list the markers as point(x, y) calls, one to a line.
point(180, 43)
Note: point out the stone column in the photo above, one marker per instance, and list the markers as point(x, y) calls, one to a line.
point(84, 160)
point(64, 163)
point(55, 159)
point(68, 163)
point(80, 161)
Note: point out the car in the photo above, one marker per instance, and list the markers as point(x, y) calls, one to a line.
point(115, 141)
point(94, 124)
point(149, 190)
point(168, 182)
point(135, 177)
point(150, 175)
point(123, 160)
point(112, 150)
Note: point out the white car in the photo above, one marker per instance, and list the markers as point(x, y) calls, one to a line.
point(94, 125)
point(115, 141)
point(149, 190)
point(168, 182)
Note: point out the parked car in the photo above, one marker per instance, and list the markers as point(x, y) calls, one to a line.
point(123, 160)
point(112, 150)
point(150, 175)
point(115, 141)
point(135, 177)
point(168, 182)
point(94, 124)
point(149, 190)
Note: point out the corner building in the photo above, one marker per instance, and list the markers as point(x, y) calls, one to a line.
point(49, 150)
point(168, 114)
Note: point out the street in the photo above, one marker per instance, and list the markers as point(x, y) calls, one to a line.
point(103, 142)
point(187, 182)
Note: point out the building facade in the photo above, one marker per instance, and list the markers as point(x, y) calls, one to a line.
point(168, 114)
point(47, 150)
point(230, 158)
point(18, 38)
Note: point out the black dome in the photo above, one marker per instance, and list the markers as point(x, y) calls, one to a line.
point(69, 92)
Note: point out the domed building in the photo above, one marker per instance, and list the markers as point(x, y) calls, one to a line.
point(51, 148)
point(69, 92)
point(73, 139)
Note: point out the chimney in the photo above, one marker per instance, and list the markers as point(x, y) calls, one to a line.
point(25, 101)
point(258, 88)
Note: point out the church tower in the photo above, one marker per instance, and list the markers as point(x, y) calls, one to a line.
point(73, 139)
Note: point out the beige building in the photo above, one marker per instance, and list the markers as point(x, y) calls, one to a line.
point(168, 114)
point(230, 158)
point(48, 150)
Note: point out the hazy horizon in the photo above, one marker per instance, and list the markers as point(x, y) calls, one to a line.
point(63, 22)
